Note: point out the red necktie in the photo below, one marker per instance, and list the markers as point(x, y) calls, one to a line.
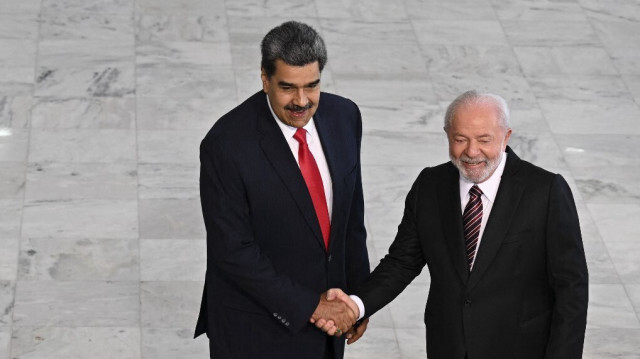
point(471, 220)
point(312, 177)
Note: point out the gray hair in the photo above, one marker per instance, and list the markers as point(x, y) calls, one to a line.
point(474, 97)
point(295, 43)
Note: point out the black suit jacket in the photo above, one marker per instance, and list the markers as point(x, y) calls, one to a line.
point(527, 294)
point(266, 261)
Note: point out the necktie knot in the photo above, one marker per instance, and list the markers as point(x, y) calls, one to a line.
point(475, 191)
point(301, 136)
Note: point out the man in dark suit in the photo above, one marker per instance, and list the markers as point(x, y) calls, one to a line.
point(282, 202)
point(502, 242)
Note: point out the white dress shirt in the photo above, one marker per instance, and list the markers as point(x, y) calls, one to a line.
point(313, 141)
point(489, 190)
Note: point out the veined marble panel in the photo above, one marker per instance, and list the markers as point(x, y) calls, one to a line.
point(173, 259)
point(92, 112)
point(407, 310)
point(579, 88)
point(168, 181)
point(461, 59)
point(73, 53)
point(119, 7)
point(549, 10)
point(251, 29)
point(202, 55)
point(617, 33)
point(403, 149)
point(78, 259)
point(376, 343)
point(17, 53)
point(171, 343)
point(627, 10)
point(410, 116)
point(183, 81)
point(633, 84)
point(550, 33)
point(387, 186)
point(599, 150)
point(456, 10)
point(610, 307)
point(604, 343)
point(170, 304)
point(14, 145)
point(17, 81)
point(116, 79)
point(171, 219)
point(12, 179)
point(529, 120)
point(348, 31)
point(574, 60)
point(538, 148)
point(80, 219)
point(371, 90)
point(362, 10)
point(160, 113)
point(625, 258)
point(167, 28)
point(75, 343)
point(22, 26)
point(77, 304)
point(616, 222)
point(82, 145)
point(20, 7)
point(7, 293)
point(246, 56)
point(626, 60)
point(383, 222)
point(259, 8)
point(248, 82)
point(5, 340)
point(389, 59)
point(463, 32)
point(15, 111)
point(412, 343)
point(513, 88)
point(601, 267)
point(10, 217)
point(169, 146)
point(606, 117)
point(634, 294)
point(9, 246)
point(87, 26)
point(614, 185)
point(178, 7)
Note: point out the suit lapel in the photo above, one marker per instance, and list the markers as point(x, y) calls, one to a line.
point(451, 217)
point(278, 152)
point(507, 200)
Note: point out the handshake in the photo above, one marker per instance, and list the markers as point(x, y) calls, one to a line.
point(337, 313)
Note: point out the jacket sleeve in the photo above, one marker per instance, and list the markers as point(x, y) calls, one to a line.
point(568, 275)
point(231, 246)
point(400, 266)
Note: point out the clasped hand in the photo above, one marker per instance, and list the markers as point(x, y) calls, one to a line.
point(336, 314)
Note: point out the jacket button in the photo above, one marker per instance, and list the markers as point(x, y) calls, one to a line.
point(287, 324)
point(329, 259)
point(279, 317)
point(275, 314)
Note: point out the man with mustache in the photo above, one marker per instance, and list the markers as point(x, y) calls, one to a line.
point(502, 243)
point(281, 194)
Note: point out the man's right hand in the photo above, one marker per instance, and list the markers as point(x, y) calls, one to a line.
point(335, 317)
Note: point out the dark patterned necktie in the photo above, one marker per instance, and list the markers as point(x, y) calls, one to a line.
point(471, 220)
point(312, 178)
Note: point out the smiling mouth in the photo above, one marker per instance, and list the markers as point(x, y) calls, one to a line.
point(298, 111)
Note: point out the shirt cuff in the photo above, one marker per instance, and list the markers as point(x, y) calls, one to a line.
point(360, 305)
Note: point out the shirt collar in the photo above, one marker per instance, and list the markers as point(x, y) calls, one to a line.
point(489, 187)
point(289, 131)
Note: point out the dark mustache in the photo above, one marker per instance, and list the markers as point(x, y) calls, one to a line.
point(297, 108)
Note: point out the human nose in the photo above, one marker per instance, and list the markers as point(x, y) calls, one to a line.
point(300, 98)
point(472, 149)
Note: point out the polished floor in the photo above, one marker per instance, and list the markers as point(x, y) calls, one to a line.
point(103, 104)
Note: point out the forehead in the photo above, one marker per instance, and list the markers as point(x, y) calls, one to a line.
point(297, 74)
point(476, 116)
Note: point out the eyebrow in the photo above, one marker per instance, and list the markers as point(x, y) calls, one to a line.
point(282, 83)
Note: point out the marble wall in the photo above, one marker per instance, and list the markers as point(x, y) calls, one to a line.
point(103, 104)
